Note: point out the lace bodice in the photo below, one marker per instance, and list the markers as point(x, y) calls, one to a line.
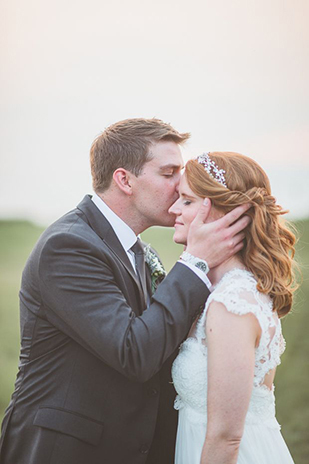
point(237, 291)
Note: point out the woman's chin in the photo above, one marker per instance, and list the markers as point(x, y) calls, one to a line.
point(179, 240)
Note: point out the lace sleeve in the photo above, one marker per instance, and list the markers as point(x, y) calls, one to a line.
point(238, 293)
point(241, 303)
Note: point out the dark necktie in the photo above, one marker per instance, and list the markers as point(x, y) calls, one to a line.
point(140, 265)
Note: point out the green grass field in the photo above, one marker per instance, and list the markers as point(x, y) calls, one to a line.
point(292, 392)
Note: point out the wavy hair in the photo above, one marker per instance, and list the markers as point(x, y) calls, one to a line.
point(269, 244)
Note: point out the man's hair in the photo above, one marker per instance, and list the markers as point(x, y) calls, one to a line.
point(127, 144)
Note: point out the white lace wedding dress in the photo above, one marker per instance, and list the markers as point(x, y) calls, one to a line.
point(262, 442)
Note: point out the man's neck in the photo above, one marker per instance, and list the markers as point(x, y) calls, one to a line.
point(121, 205)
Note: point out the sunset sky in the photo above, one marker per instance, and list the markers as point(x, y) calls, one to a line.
point(234, 73)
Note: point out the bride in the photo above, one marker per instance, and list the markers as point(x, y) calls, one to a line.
point(225, 370)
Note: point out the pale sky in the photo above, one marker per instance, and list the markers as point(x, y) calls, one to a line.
point(234, 73)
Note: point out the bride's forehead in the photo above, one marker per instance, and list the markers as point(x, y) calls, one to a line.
point(184, 182)
point(184, 188)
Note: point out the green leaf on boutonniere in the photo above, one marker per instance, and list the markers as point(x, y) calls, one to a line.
point(157, 270)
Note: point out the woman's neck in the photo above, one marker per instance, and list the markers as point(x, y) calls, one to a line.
point(216, 273)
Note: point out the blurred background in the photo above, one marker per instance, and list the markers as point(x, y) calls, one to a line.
point(233, 73)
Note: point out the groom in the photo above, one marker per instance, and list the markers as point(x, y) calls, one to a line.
point(93, 384)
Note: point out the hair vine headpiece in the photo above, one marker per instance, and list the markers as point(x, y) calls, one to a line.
point(212, 169)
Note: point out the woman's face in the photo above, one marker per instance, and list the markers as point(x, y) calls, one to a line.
point(185, 209)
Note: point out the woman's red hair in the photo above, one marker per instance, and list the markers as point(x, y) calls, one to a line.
point(269, 244)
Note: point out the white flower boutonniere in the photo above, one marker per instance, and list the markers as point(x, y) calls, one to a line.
point(156, 268)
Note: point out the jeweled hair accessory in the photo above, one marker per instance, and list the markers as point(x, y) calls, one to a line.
point(212, 169)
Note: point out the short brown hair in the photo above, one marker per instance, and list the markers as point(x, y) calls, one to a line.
point(126, 144)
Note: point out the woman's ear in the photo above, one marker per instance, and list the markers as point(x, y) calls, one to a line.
point(122, 178)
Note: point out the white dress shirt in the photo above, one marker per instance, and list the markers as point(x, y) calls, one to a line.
point(127, 237)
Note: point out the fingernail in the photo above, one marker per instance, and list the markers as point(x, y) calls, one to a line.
point(206, 201)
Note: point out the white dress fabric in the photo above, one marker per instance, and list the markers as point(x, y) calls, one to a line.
point(262, 442)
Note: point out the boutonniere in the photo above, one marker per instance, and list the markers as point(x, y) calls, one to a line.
point(157, 270)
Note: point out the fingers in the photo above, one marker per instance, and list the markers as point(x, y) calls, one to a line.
point(235, 214)
point(236, 244)
point(203, 212)
point(238, 247)
point(238, 238)
point(239, 225)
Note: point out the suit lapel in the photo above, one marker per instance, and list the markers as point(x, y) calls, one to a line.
point(104, 230)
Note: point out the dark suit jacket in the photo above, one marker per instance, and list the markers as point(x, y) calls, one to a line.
point(94, 370)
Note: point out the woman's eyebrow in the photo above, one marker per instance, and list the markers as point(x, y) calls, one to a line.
point(184, 194)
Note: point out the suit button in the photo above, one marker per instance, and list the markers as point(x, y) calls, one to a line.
point(144, 449)
point(153, 392)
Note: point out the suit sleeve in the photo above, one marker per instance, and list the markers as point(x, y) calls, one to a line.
point(82, 299)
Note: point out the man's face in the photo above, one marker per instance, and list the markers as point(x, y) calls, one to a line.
point(156, 188)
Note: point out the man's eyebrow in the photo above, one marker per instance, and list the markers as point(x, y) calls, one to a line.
point(170, 166)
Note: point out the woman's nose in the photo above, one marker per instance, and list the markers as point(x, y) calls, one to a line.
point(174, 209)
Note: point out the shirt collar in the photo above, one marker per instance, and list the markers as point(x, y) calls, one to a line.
point(125, 234)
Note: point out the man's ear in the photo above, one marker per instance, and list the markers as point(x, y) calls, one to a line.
point(122, 179)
